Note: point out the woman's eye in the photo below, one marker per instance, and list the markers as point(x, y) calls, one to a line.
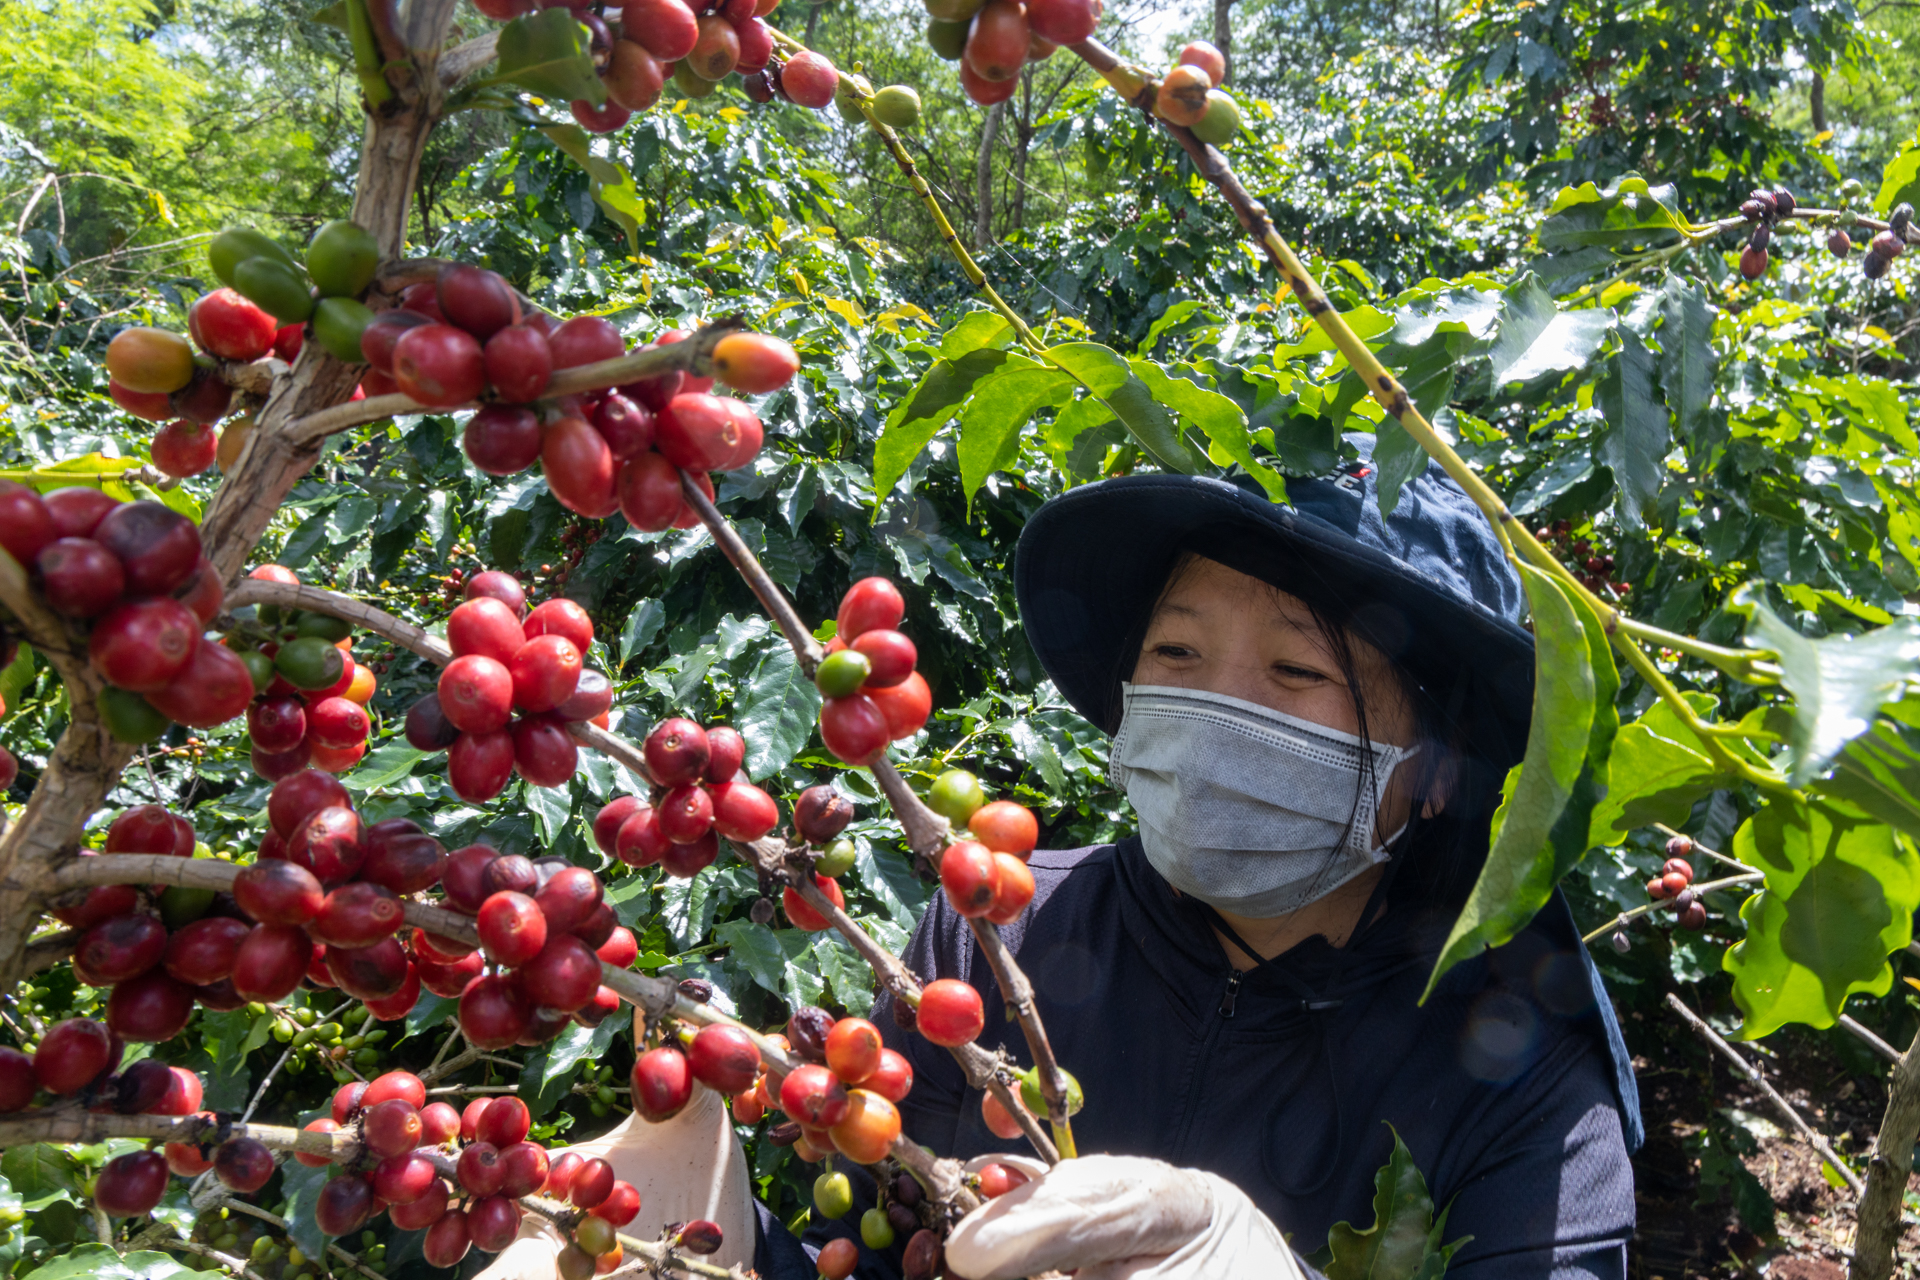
point(1297, 673)
point(1172, 651)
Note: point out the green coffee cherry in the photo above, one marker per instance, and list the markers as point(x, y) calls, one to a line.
point(837, 860)
point(954, 795)
point(130, 717)
point(236, 245)
point(948, 39)
point(875, 1230)
point(1037, 1102)
point(897, 107)
point(1221, 123)
point(833, 1195)
point(342, 258)
point(841, 674)
point(276, 288)
point(338, 324)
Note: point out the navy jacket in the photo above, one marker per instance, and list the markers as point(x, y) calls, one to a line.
point(1510, 1086)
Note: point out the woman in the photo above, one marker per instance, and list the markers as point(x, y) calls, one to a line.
point(1313, 711)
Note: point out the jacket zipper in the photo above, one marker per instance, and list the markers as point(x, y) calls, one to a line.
point(1203, 1054)
point(1232, 993)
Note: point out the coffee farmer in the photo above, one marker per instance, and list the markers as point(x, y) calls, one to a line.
point(1312, 712)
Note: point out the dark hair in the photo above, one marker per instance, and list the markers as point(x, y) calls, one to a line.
point(1435, 859)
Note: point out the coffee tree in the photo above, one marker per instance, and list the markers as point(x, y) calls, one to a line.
point(371, 908)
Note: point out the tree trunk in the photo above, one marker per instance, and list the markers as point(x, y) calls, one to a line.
point(86, 763)
point(1888, 1170)
point(983, 178)
point(1817, 100)
point(1223, 34)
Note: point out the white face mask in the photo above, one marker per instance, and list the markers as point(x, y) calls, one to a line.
point(1249, 810)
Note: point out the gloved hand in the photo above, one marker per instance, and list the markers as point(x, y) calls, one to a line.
point(686, 1168)
point(1119, 1218)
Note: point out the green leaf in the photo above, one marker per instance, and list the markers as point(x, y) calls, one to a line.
point(1687, 359)
point(919, 417)
point(99, 1262)
point(1879, 774)
point(754, 947)
point(976, 330)
point(550, 807)
point(1900, 180)
point(1839, 898)
point(1149, 423)
point(1102, 370)
point(1636, 443)
point(1219, 419)
point(548, 54)
point(573, 1044)
point(1403, 1241)
point(1539, 344)
point(990, 425)
point(611, 186)
point(393, 761)
point(1428, 381)
point(1521, 867)
point(642, 625)
point(1652, 776)
point(1837, 683)
point(776, 713)
point(1628, 215)
point(41, 1174)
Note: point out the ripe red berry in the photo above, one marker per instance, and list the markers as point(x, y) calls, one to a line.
point(950, 1012)
point(439, 366)
point(519, 363)
point(586, 340)
point(854, 728)
point(905, 706)
point(677, 750)
point(662, 1084)
point(143, 644)
point(970, 877)
point(502, 439)
point(493, 1014)
point(724, 1058)
point(581, 470)
point(132, 1184)
point(72, 1055)
point(802, 913)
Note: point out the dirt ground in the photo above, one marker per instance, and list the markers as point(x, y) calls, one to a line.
point(1681, 1237)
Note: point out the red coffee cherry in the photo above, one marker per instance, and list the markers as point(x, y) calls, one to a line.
point(950, 1012)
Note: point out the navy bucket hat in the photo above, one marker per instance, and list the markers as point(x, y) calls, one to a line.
point(1429, 586)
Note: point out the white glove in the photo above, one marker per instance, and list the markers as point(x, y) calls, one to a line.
point(687, 1168)
point(1119, 1218)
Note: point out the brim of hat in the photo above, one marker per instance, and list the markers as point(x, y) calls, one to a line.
point(1092, 563)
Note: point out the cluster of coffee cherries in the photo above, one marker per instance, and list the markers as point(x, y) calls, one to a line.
point(695, 45)
point(1672, 885)
point(699, 796)
point(133, 572)
point(545, 929)
point(1593, 567)
point(1190, 95)
point(985, 877)
point(191, 947)
point(872, 694)
point(896, 1215)
point(80, 1058)
point(1886, 244)
point(994, 39)
point(425, 1148)
point(1764, 209)
point(464, 337)
point(311, 708)
point(508, 660)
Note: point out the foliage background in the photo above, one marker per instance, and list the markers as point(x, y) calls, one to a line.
point(1412, 149)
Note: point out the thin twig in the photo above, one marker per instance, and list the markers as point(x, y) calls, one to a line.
point(1872, 1041)
point(805, 648)
point(1800, 1126)
point(1018, 993)
point(1715, 854)
point(1626, 917)
point(227, 1260)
